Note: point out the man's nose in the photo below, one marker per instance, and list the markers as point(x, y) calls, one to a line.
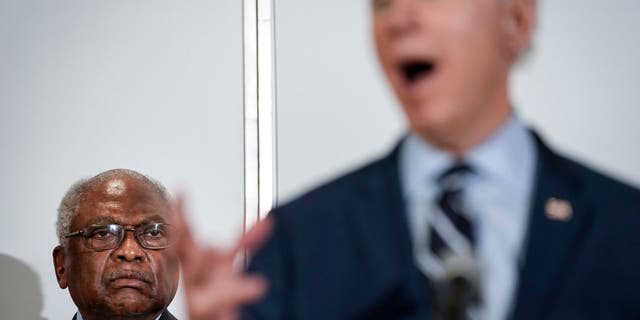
point(402, 17)
point(129, 250)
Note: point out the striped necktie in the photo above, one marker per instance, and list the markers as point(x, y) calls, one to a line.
point(453, 233)
point(452, 242)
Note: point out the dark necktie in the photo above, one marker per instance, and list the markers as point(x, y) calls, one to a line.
point(452, 242)
point(450, 203)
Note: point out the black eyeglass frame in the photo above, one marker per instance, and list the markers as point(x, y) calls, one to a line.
point(88, 232)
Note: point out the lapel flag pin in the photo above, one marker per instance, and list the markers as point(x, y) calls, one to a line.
point(558, 209)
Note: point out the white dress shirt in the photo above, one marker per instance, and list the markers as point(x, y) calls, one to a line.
point(497, 197)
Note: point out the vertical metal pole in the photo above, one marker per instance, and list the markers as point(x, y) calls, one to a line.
point(250, 57)
point(259, 115)
point(266, 107)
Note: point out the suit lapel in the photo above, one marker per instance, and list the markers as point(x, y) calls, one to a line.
point(551, 241)
point(380, 223)
point(166, 315)
point(381, 216)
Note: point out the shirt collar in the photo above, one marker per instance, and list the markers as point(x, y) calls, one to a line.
point(420, 164)
point(507, 157)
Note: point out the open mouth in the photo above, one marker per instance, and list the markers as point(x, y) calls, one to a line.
point(413, 71)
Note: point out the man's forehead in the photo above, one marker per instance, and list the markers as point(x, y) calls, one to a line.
point(115, 187)
point(125, 207)
point(122, 189)
point(131, 219)
point(129, 200)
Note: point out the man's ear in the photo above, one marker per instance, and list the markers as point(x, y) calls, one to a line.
point(59, 265)
point(519, 24)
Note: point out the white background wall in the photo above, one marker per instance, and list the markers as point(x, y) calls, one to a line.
point(155, 86)
point(578, 88)
point(87, 86)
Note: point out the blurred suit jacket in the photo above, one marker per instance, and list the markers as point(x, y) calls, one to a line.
point(343, 250)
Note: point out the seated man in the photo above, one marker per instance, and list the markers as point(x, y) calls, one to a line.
point(112, 273)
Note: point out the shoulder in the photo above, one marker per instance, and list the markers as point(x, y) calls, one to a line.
point(606, 196)
point(615, 205)
point(603, 184)
point(351, 187)
point(603, 188)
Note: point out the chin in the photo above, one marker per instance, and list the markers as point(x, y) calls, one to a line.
point(430, 121)
point(128, 303)
point(132, 310)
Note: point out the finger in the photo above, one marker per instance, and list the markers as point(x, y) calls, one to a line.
point(210, 263)
point(255, 236)
point(229, 294)
point(227, 299)
point(248, 289)
point(184, 239)
point(230, 315)
point(180, 219)
point(189, 252)
point(205, 314)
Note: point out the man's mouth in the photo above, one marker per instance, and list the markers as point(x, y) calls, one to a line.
point(129, 278)
point(416, 70)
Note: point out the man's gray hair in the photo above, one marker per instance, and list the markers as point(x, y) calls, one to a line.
point(69, 204)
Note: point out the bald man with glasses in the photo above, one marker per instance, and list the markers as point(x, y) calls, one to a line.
point(115, 254)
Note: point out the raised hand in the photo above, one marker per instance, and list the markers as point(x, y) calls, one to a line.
point(215, 288)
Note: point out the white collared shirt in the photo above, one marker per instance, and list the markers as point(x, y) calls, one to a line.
point(497, 195)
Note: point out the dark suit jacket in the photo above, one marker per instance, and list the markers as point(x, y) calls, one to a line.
point(166, 315)
point(343, 250)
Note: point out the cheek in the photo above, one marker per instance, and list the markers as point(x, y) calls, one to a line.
point(166, 269)
point(473, 52)
point(86, 272)
point(380, 41)
point(472, 27)
point(381, 53)
point(89, 265)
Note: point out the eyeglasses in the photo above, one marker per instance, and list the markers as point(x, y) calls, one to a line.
point(153, 236)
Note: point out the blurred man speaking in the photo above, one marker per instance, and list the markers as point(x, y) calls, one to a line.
point(115, 252)
point(470, 202)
